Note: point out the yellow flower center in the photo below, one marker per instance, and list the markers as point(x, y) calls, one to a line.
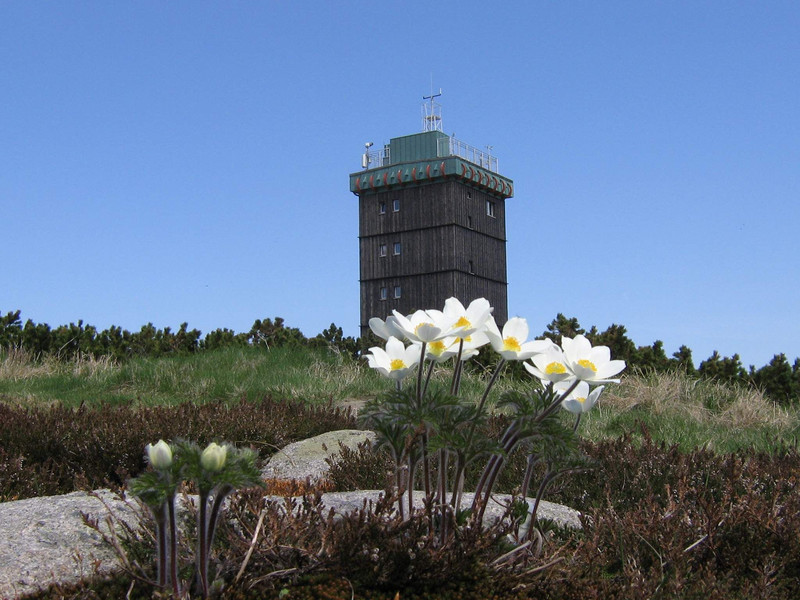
point(511, 343)
point(397, 364)
point(463, 322)
point(587, 364)
point(581, 400)
point(555, 368)
point(436, 347)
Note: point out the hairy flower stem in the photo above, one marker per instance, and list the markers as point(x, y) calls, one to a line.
point(426, 463)
point(441, 486)
point(419, 374)
point(548, 478)
point(216, 506)
point(455, 385)
point(207, 527)
point(557, 402)
point(173, 548)
point(458, 478)
point(460, 466)
point(492, 470)
point(412, 467)
point(491, 383)
point(202, 537)
point(398, 478)
point(161, 543)
point(510, 439)
point(526, 481)
point(428, 378)
point(441, 494)
point(577, 422)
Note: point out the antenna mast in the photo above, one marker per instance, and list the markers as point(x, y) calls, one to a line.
point(432, 113)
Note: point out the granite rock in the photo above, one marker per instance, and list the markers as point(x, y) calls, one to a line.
point(308, 458)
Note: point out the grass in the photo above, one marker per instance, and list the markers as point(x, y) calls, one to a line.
point(228, 374)
point(735, 511)
point(672, 407)
point(692, 413)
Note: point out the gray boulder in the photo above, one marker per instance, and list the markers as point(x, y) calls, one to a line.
point(346, 502)
point(44, 540)
point(307, 458)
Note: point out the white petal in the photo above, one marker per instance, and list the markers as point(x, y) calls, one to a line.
point(599, 355)
point(610, 368)
point(395, 348)
point(516, 327)
point(454, 308)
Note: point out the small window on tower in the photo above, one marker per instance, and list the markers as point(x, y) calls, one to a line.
point(398, 291)
point(471, 268)
point(382, 250)
point(384, 293)
point(490, 208)
point(397, 248)
point(469, 221)
point(396, 205)
point(382, 208)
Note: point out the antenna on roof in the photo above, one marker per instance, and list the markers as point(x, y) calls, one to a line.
point(432, 113)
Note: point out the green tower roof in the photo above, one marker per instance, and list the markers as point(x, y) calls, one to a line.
point(425, 157)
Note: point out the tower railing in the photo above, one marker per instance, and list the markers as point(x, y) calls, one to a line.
point(445, 146)
point(450, 146)
point(376, 159)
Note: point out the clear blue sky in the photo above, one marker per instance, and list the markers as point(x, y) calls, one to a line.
point(189, 161)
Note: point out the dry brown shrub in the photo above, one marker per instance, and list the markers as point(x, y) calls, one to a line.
point(296, 487)
point(667, 524)
point(104, 446)
point(704, 401)
point(20, 364)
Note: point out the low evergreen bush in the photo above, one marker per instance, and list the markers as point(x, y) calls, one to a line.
point(658, 523)
point(57, 450)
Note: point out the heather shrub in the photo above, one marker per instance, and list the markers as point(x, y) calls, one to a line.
point(666, 524)
point(370, 468)
point(300, 549)
point(658, 523)
point(56, 450)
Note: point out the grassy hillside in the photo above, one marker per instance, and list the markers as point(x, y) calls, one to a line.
point(710, 513)
point(674, 408)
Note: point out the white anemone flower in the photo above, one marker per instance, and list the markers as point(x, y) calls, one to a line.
point(441, 350)
point(396, 361)
point(468, 320)
point(511, 344)
point(159, 455)
point(588, 363)
point(473, 344)
point(423, 325)
point(550, 366)
point(213, 457)
point(580, 400)
point(385, 329)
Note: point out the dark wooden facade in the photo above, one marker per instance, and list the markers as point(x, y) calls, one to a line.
point(422, 243)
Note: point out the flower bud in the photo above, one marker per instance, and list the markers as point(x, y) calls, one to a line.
point(160, 455)
point(213, 457)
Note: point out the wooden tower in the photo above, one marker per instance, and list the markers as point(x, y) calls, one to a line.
point(431, 224)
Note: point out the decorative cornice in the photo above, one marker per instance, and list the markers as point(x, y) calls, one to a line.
point(430, 171)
